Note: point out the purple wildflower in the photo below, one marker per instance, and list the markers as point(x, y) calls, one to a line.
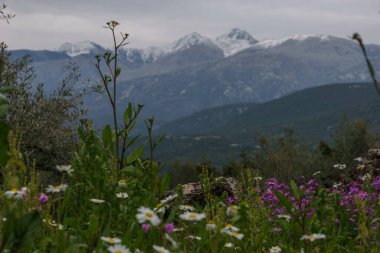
point(169, 228)
point(145, 227)
point(43, 198)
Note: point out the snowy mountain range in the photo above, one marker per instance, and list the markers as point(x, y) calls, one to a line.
point(231, 43)
point(196, 72)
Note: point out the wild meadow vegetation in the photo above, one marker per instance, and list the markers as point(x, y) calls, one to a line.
point(66, 187)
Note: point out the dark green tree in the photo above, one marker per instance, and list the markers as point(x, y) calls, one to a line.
point(46, 122)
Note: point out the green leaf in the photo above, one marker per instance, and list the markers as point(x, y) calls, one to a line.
point(136, 154)
point(132, 171)
point(107, 136)
point(132, 141)
point(284, 201)
point(165, 183)
point(294, 188)
point(235, 219)
point(128, 113)
point(3, 110)
point(93, 226)
point(106, 80)
point(158, 140)
point(118, 71)
point(21, 231)
point(3, 105)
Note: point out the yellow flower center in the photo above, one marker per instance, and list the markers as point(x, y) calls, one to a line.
point(235, 233)
point(111, 240)
point(229, 226)
point(14, 190)
point(118, 251)
point(149, 214)
point(192, 216)
point(210, 222)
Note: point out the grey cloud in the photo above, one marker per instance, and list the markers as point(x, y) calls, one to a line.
point(48, 23)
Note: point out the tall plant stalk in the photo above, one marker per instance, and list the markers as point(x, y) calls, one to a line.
point(370, 67)
point(131, 113)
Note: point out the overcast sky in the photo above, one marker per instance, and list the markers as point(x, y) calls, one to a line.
point(46, 24)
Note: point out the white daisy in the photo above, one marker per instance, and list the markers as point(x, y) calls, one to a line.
point(160, 249)
point(275, 249)
point(313, 237)
point(230, 228)
point(122, 183)
point(366, 177)
point(210, 226)
point(340, 166)
point(57, 188)
point(64, 168)
point(97, 201)
point(193, 237)
point(55, 224)
point(118, 249)
point(284, 216)
point(359, 159)
point(232, 211)
point(186, 208)
point(234, 234)
point(16, 194)
point(190, 216)
point(122, 195)
point(168, 199)
point(228, 245)
point(145, 214)
point(159, 208)
point(111, 240)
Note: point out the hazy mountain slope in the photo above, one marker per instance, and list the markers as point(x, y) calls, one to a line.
point(314, 109)
point(205, 121)
point(314, 113)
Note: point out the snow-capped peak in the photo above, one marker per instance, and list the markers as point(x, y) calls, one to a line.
point(187, 41)
point(297, 38)
point(78, 48)
point(235, 41)
point(237, 34)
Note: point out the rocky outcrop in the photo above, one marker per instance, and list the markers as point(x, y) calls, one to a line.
point(192, 192)
point(371, 164)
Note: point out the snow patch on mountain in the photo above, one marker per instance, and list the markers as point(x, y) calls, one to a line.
point(79, 48)
point(235, 41)
point(297, 38)
point(152, 54)
point(192, 39)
